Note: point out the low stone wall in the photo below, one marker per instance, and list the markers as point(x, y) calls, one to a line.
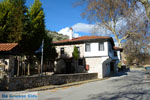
point(21, 83)
point(138, 69)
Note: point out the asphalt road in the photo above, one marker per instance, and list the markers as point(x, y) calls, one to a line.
point(133, 85)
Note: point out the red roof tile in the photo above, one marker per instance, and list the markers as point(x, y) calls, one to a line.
point(82, 39)
point(118, 48)
point(7, 46)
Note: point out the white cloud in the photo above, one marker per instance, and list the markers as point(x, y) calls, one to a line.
point(97, 29)
point(76, 35)
point(90, 28)
point(82, 27)
point(66, 31)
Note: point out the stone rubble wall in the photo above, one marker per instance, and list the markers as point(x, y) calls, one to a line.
point(21, 83)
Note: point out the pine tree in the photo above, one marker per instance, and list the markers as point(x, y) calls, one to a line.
point(35, 29)
point(36, 16)
point(5, 7)
point(12, 19)
point(18, 20)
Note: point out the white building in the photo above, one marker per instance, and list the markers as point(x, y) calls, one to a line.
point(98, 52)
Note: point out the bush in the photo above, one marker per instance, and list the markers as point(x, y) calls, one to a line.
point(119, 65)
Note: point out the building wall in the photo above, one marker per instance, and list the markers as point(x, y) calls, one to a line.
point(4, 60)
point(106, 69)
point(94, 58)
point(93, 53)
point(119, 55)
point(95, 50)
point(69, 49)
point(8, 62)
point(106, 66)
point(111, 52)
point(95, 66)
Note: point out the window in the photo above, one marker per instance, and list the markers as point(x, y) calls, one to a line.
point(87, 47)
point(101, 46)
point(62, 51)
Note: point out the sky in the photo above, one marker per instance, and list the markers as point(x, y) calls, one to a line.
point(60, 15)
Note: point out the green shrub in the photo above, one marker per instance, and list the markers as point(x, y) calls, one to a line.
point(119, 65)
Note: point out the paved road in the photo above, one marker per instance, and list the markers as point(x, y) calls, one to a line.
point(133, 85)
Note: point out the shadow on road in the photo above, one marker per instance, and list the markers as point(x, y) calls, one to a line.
point(128, 95)
point(120, 73)
point(131, 87)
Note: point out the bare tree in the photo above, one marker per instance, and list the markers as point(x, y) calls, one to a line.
point(146, 4)
point(108, 13)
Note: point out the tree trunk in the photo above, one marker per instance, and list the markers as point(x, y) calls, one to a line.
point(39, 68)
point(24, 67)
point(28, 73)
point(18, 67)
point(119, 42)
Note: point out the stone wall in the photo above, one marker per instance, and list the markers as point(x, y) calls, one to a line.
point(21, 83)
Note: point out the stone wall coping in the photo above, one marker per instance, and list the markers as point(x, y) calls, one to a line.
point(54, 75)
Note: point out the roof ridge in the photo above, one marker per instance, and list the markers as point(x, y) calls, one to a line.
point(82, 38)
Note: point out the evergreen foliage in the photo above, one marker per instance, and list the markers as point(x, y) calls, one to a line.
point(12, 16)
point(75, 53)
point(25, 26)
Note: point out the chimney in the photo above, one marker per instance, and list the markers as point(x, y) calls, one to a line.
point(71, 33)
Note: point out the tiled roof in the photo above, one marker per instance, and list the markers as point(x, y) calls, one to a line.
point(7, 46)
point(118, 48)
point(83, 38)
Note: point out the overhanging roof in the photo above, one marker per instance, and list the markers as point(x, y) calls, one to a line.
point(84, 39)
point(9, 48)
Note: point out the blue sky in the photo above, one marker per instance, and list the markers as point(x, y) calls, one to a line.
point(60, 14)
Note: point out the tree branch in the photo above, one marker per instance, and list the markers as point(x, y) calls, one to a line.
point(125, 37)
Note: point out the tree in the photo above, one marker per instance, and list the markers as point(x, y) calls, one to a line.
point(146, 4)
point(49, 51)
point(136, 49)
point(36, 32)
point(27, 28)
point(37, 27)
point(109, 13)
point(4, 11)
point(12, 20)
point(75, 53)
point(17, 20)
point(76, 56)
